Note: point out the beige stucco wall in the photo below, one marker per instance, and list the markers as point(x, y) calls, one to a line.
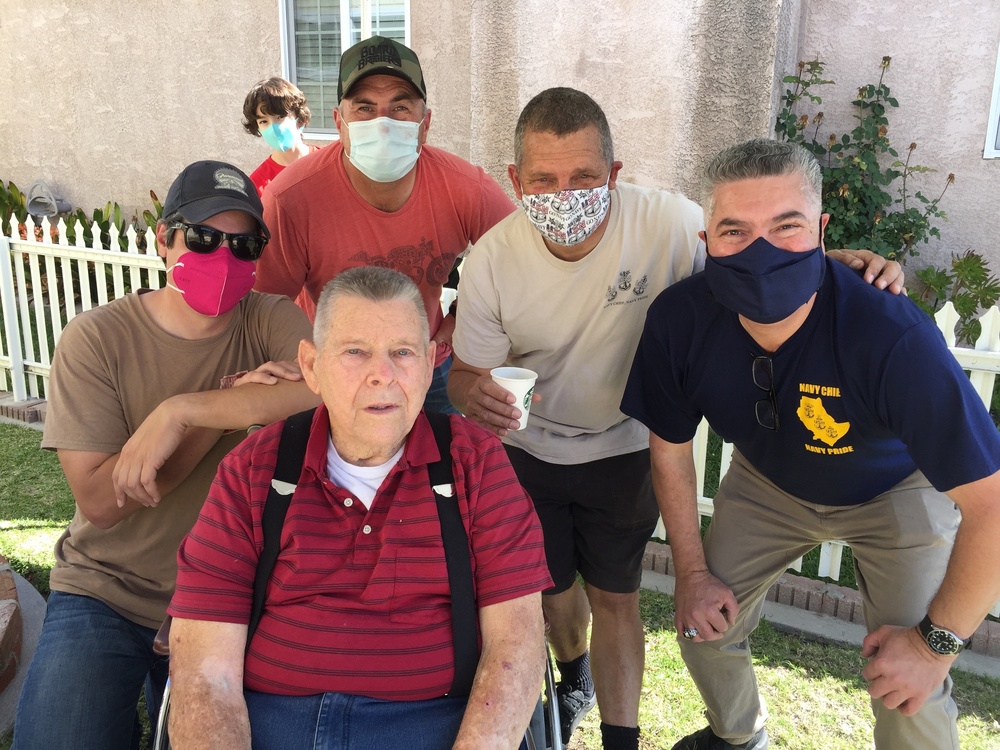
point(110, 100)
point(118, 102)
point(676, 79)
point(943, 60)
point(113, 100)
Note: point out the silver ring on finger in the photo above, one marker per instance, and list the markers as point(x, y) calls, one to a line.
point(690, 633)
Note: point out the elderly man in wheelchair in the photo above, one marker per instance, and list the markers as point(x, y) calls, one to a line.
point(400, 602)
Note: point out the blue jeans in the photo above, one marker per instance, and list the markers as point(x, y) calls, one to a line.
point(437, 395)
point(334, 721)
point(84, 682)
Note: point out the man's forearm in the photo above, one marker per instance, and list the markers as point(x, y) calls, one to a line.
point(187, 424)
point(508, 682)
point(203, 717)
point(93, 485)
point(238, 408)
point(206, 671)
point(675, 483)
point(971, 586)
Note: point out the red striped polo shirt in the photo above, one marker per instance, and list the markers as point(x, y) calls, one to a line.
point(359, 599)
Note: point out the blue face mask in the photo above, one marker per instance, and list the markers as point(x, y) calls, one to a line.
point(764, 283)
point(280, 135)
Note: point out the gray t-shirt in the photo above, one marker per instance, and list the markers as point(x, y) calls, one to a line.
point(576, 324)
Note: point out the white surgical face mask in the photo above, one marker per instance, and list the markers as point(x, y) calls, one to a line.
point(569, 216)
point(383, 149)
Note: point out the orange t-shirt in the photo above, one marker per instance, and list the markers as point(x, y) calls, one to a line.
point(320, 226)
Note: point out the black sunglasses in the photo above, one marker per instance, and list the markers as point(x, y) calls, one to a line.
point(766, 409)
point(202, 239)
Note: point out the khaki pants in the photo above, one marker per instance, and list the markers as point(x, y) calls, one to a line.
point(901, 542)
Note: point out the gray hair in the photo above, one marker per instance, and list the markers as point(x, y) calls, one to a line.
point(371, 283)
point(762, 157)
point(562, 111)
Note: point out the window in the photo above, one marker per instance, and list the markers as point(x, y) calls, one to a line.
point(314, 32)
point(992, 150)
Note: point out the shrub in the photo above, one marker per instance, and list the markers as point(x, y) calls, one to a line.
point(868, 192)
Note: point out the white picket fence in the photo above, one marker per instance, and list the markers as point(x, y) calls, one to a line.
point(35, 311)
point(44, 285)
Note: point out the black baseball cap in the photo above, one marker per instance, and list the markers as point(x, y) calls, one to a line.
point(207, 188)
point(379, 54)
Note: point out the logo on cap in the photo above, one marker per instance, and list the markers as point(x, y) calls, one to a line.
point(229, 179)
point(380, 53)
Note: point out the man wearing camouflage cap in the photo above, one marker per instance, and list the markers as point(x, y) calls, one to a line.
point(381, 196)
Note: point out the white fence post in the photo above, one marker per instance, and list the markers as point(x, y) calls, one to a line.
point(12, 332)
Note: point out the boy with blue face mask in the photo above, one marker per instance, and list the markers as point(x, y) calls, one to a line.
point(276, 111)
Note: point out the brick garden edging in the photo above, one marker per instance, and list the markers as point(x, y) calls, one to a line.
point(824, 598)
point(30, 411)
point(11, 627)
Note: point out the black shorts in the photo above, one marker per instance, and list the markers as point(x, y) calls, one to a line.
point(596, 517)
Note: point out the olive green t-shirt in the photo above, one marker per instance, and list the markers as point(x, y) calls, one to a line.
point(112, 367)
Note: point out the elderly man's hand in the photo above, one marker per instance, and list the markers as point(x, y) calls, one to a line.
point(878, 271)
point(492, 406)
point(902, 671)
point(703, 603)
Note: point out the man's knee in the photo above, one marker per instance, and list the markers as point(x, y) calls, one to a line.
point(612, 604)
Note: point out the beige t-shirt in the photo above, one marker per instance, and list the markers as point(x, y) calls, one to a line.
point(577, 324)
point(112, 367)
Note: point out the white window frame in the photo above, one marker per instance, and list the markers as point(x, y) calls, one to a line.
point(992, 149)
point(285, 13)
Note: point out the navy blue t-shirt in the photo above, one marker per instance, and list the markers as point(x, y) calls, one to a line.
point(866, 391)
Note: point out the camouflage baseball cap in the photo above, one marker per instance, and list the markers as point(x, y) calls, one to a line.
point(379, 54)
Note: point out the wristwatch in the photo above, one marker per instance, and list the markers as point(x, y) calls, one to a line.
point(939, 640)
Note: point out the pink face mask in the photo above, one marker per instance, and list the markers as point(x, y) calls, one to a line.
point(212, 283)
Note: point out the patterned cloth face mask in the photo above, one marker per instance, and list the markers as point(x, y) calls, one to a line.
point(569, 216)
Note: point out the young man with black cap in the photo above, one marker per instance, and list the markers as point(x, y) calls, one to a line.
point(140, 423)
point(380, 196)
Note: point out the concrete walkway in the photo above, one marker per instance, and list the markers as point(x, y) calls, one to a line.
point(822, 627)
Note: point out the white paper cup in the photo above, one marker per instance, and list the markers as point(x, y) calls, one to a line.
point(520, 382)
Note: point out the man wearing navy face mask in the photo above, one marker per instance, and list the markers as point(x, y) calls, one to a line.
point(562, 288)
point(140, 423)
point(851, 421)
point(380, 196)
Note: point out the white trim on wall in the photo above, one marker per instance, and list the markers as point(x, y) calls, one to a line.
point(992, 149)
point(355, 25)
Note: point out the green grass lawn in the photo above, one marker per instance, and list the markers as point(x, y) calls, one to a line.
point(814, 691)
point(35, 504)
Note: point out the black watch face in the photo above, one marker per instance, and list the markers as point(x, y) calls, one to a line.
point(943, 642)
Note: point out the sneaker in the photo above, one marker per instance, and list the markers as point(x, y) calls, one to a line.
point(574, 704)
point(706, 739)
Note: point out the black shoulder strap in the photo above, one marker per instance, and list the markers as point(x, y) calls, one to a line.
point(287, 468)
point(464, 622)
